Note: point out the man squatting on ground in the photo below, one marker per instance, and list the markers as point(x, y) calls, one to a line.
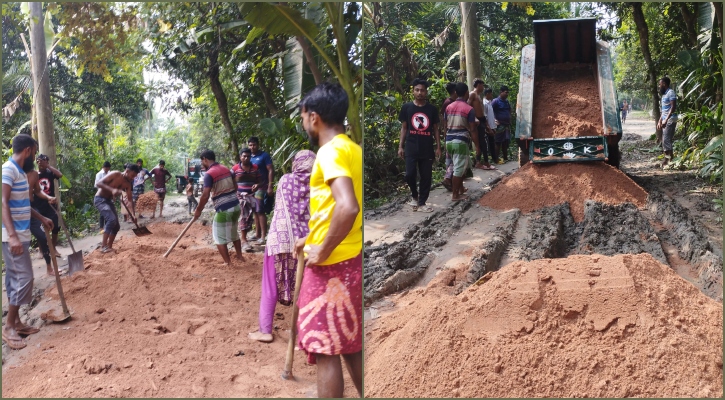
point(114, 184)
point(461, 129)
point(668, 120)
point(219, 185)
point(16, 214)
point(41, 200)
point(330, 301)
point(475, 100)
point(419, 123)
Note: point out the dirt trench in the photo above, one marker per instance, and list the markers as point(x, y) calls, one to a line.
point(613, 225)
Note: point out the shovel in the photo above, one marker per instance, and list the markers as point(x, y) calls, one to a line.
point(179, 238)
point(287, 372)
point(75, 260)
point(66, 314)
point(140, 230)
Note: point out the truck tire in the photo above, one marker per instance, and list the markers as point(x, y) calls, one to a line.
point(614, 156)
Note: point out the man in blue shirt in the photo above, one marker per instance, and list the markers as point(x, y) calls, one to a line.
point(668, 120)
point(263, 161)
point(502, 118)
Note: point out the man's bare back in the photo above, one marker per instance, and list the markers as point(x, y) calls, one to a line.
point(474, 100)
point(113, 184)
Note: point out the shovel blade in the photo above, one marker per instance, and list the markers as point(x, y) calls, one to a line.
point(53, 317)
point(75, 263)
point(142, 231)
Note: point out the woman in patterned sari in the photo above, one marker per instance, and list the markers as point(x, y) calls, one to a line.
point(289, 223)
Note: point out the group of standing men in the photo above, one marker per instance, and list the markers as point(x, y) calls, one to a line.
point(469, 119)
point(319, 214)
point(319, 217)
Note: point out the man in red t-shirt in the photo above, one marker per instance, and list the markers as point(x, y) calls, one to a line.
point(160, 174)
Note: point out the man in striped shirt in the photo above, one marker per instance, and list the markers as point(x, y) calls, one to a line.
point(461, 126)
point(220, 186)
point(16, 213)
point(248, 178)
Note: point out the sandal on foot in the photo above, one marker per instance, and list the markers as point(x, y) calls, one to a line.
point(27, 330)
point(261, 337)
point(15, 344)
point(463, 197)
point(412, 202)
point(426, 209)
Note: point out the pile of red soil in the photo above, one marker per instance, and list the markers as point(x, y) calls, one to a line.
point(566, 102)
point(584, 326)
point(146, 202)
point(535, 186)
point(147, 326)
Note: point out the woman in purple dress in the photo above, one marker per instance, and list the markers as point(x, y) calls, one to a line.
point(289, 223)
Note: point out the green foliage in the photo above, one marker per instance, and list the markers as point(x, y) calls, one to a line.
point(404, 41)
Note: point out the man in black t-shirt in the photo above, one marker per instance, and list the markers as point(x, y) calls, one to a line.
point(46, 179)
point(419, 125)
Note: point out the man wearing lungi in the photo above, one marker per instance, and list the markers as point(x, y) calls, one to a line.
point(330, 301)
point(220, 186)
point(16, 214)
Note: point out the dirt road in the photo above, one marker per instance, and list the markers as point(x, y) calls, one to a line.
point(440, 256)
point(145, 326)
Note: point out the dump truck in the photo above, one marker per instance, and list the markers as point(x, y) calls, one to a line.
point(194, 173)
point(566, 54)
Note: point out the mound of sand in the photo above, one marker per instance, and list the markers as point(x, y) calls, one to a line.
point(536, 186)
point(147, 326)
point(566, 102)
point(594, 326)
point(146, 202)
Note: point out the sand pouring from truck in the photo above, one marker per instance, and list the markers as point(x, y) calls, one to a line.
point(566, 51)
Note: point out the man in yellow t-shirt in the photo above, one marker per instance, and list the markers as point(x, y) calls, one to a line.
point(333, 267)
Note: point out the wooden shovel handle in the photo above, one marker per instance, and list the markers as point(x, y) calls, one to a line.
point(57, 274)
point(179, 238)
point(295, 314)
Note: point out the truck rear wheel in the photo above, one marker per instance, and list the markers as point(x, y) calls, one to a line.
point(614, 155)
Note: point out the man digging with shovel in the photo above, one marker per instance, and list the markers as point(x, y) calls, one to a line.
point(114, 184)
point(220, 186)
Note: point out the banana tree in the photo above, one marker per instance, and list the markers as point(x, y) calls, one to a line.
point(277, 19)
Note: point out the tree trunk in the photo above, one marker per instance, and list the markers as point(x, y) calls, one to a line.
point(643, 32)
point(462, 56)
point(718, 14)
point(268, 101)
point(221, 98)
point(690, 19)
point(41, 102)
point(310, 59)
point(469, 28)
